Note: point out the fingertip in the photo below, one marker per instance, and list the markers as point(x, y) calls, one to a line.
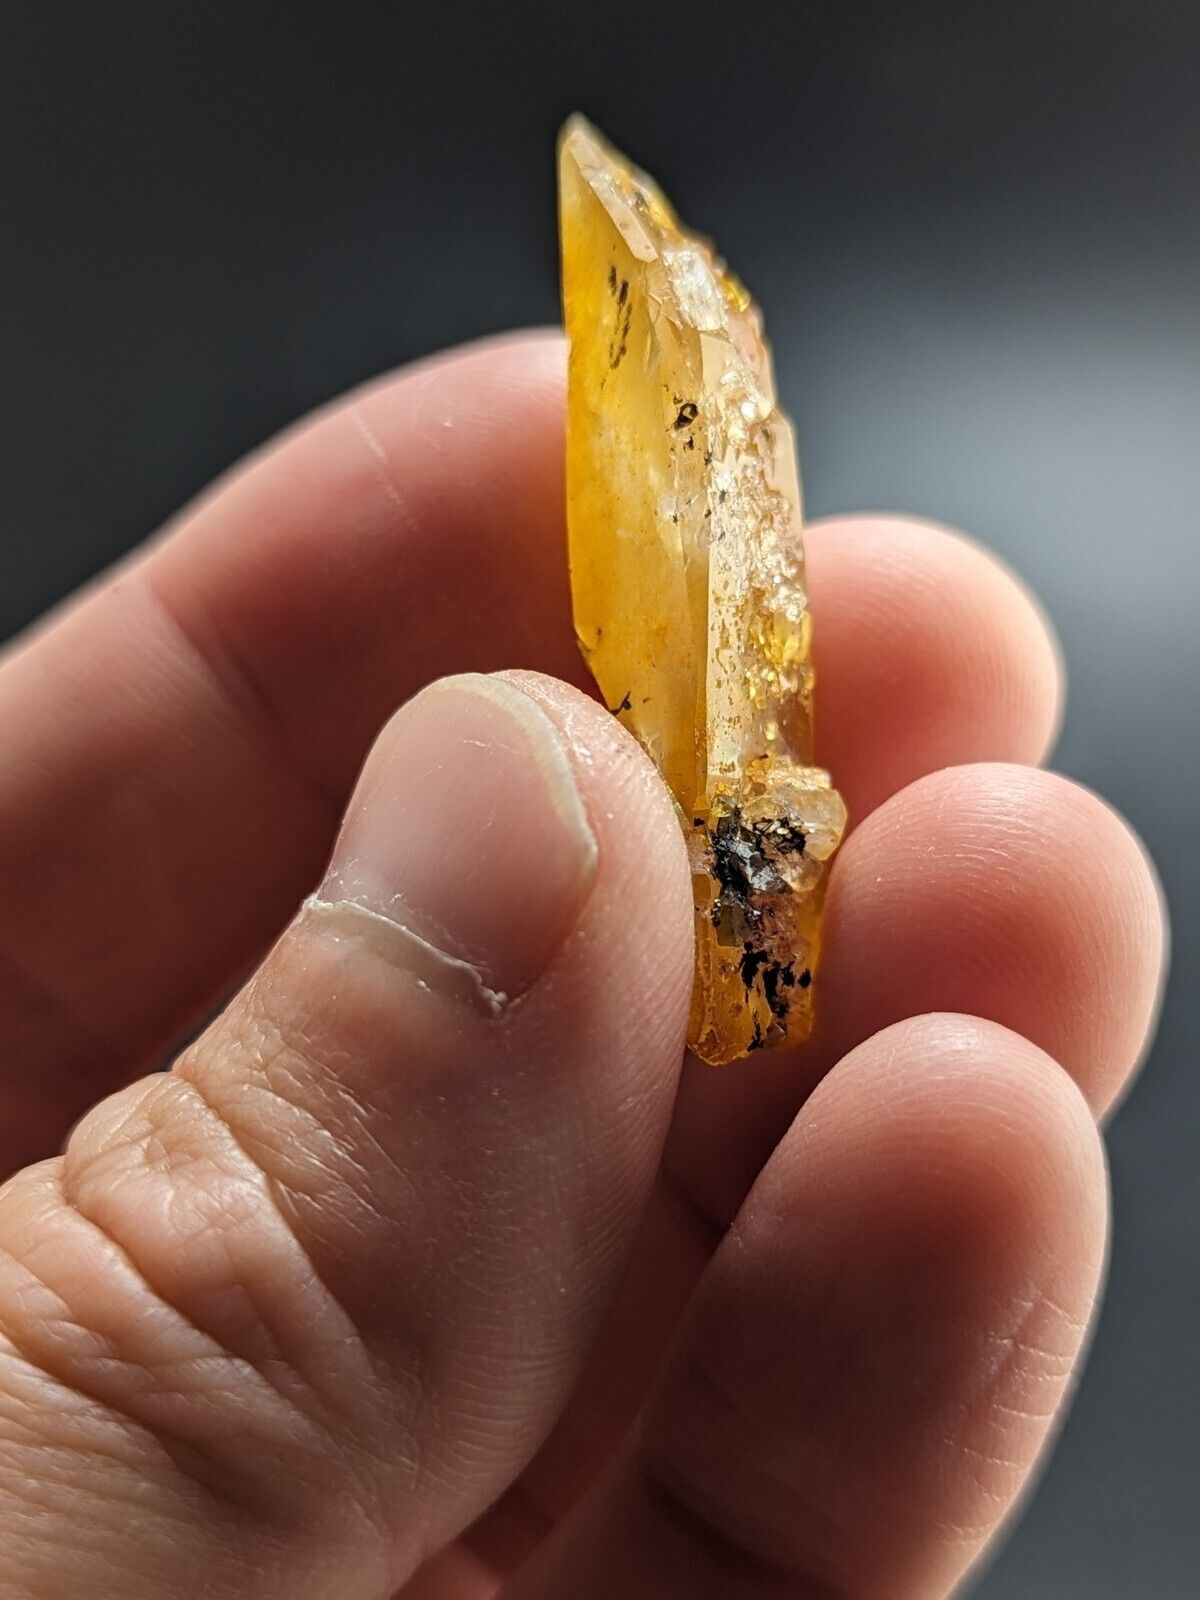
point(952, 1121)
point(1005, 892)
point(930, 651)
point(1145, 910)
point(468, 828)
point(644, 897)
point(604, 749)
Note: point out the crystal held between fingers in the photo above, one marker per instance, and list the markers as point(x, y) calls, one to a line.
point(687, 577)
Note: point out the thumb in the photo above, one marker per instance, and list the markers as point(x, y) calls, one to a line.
point(285, 1319)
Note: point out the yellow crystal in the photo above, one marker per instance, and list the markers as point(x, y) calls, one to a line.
point(687, 577)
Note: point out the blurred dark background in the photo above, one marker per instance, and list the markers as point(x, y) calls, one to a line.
point(976, 229)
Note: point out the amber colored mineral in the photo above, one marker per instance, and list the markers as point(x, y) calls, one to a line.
point(687, 576)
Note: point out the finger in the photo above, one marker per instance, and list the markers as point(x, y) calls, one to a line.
point(180, 742)
point(304, 1305)
point(874, 1356)
point(996, 891)
point(930, 653)
point(999, 891)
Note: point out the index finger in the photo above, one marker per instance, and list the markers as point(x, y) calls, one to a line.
point(179, 741)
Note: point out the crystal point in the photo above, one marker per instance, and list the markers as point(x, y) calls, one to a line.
point(687, 578)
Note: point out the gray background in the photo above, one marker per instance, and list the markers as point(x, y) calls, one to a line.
point(975, 228)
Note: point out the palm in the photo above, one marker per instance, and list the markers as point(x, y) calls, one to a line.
point(849, 1387)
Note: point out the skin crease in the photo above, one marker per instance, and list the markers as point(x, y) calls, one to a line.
point(297, 1318)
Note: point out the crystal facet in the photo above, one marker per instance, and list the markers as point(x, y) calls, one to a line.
point(687, 577)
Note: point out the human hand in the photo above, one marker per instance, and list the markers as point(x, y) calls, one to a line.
point(296, 1318)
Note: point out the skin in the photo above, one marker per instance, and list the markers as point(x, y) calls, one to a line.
point(392, 1287)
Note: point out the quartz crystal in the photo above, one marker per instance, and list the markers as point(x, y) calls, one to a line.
point(687, 578)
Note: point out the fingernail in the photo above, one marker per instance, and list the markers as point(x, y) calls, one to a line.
point(467, 830)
